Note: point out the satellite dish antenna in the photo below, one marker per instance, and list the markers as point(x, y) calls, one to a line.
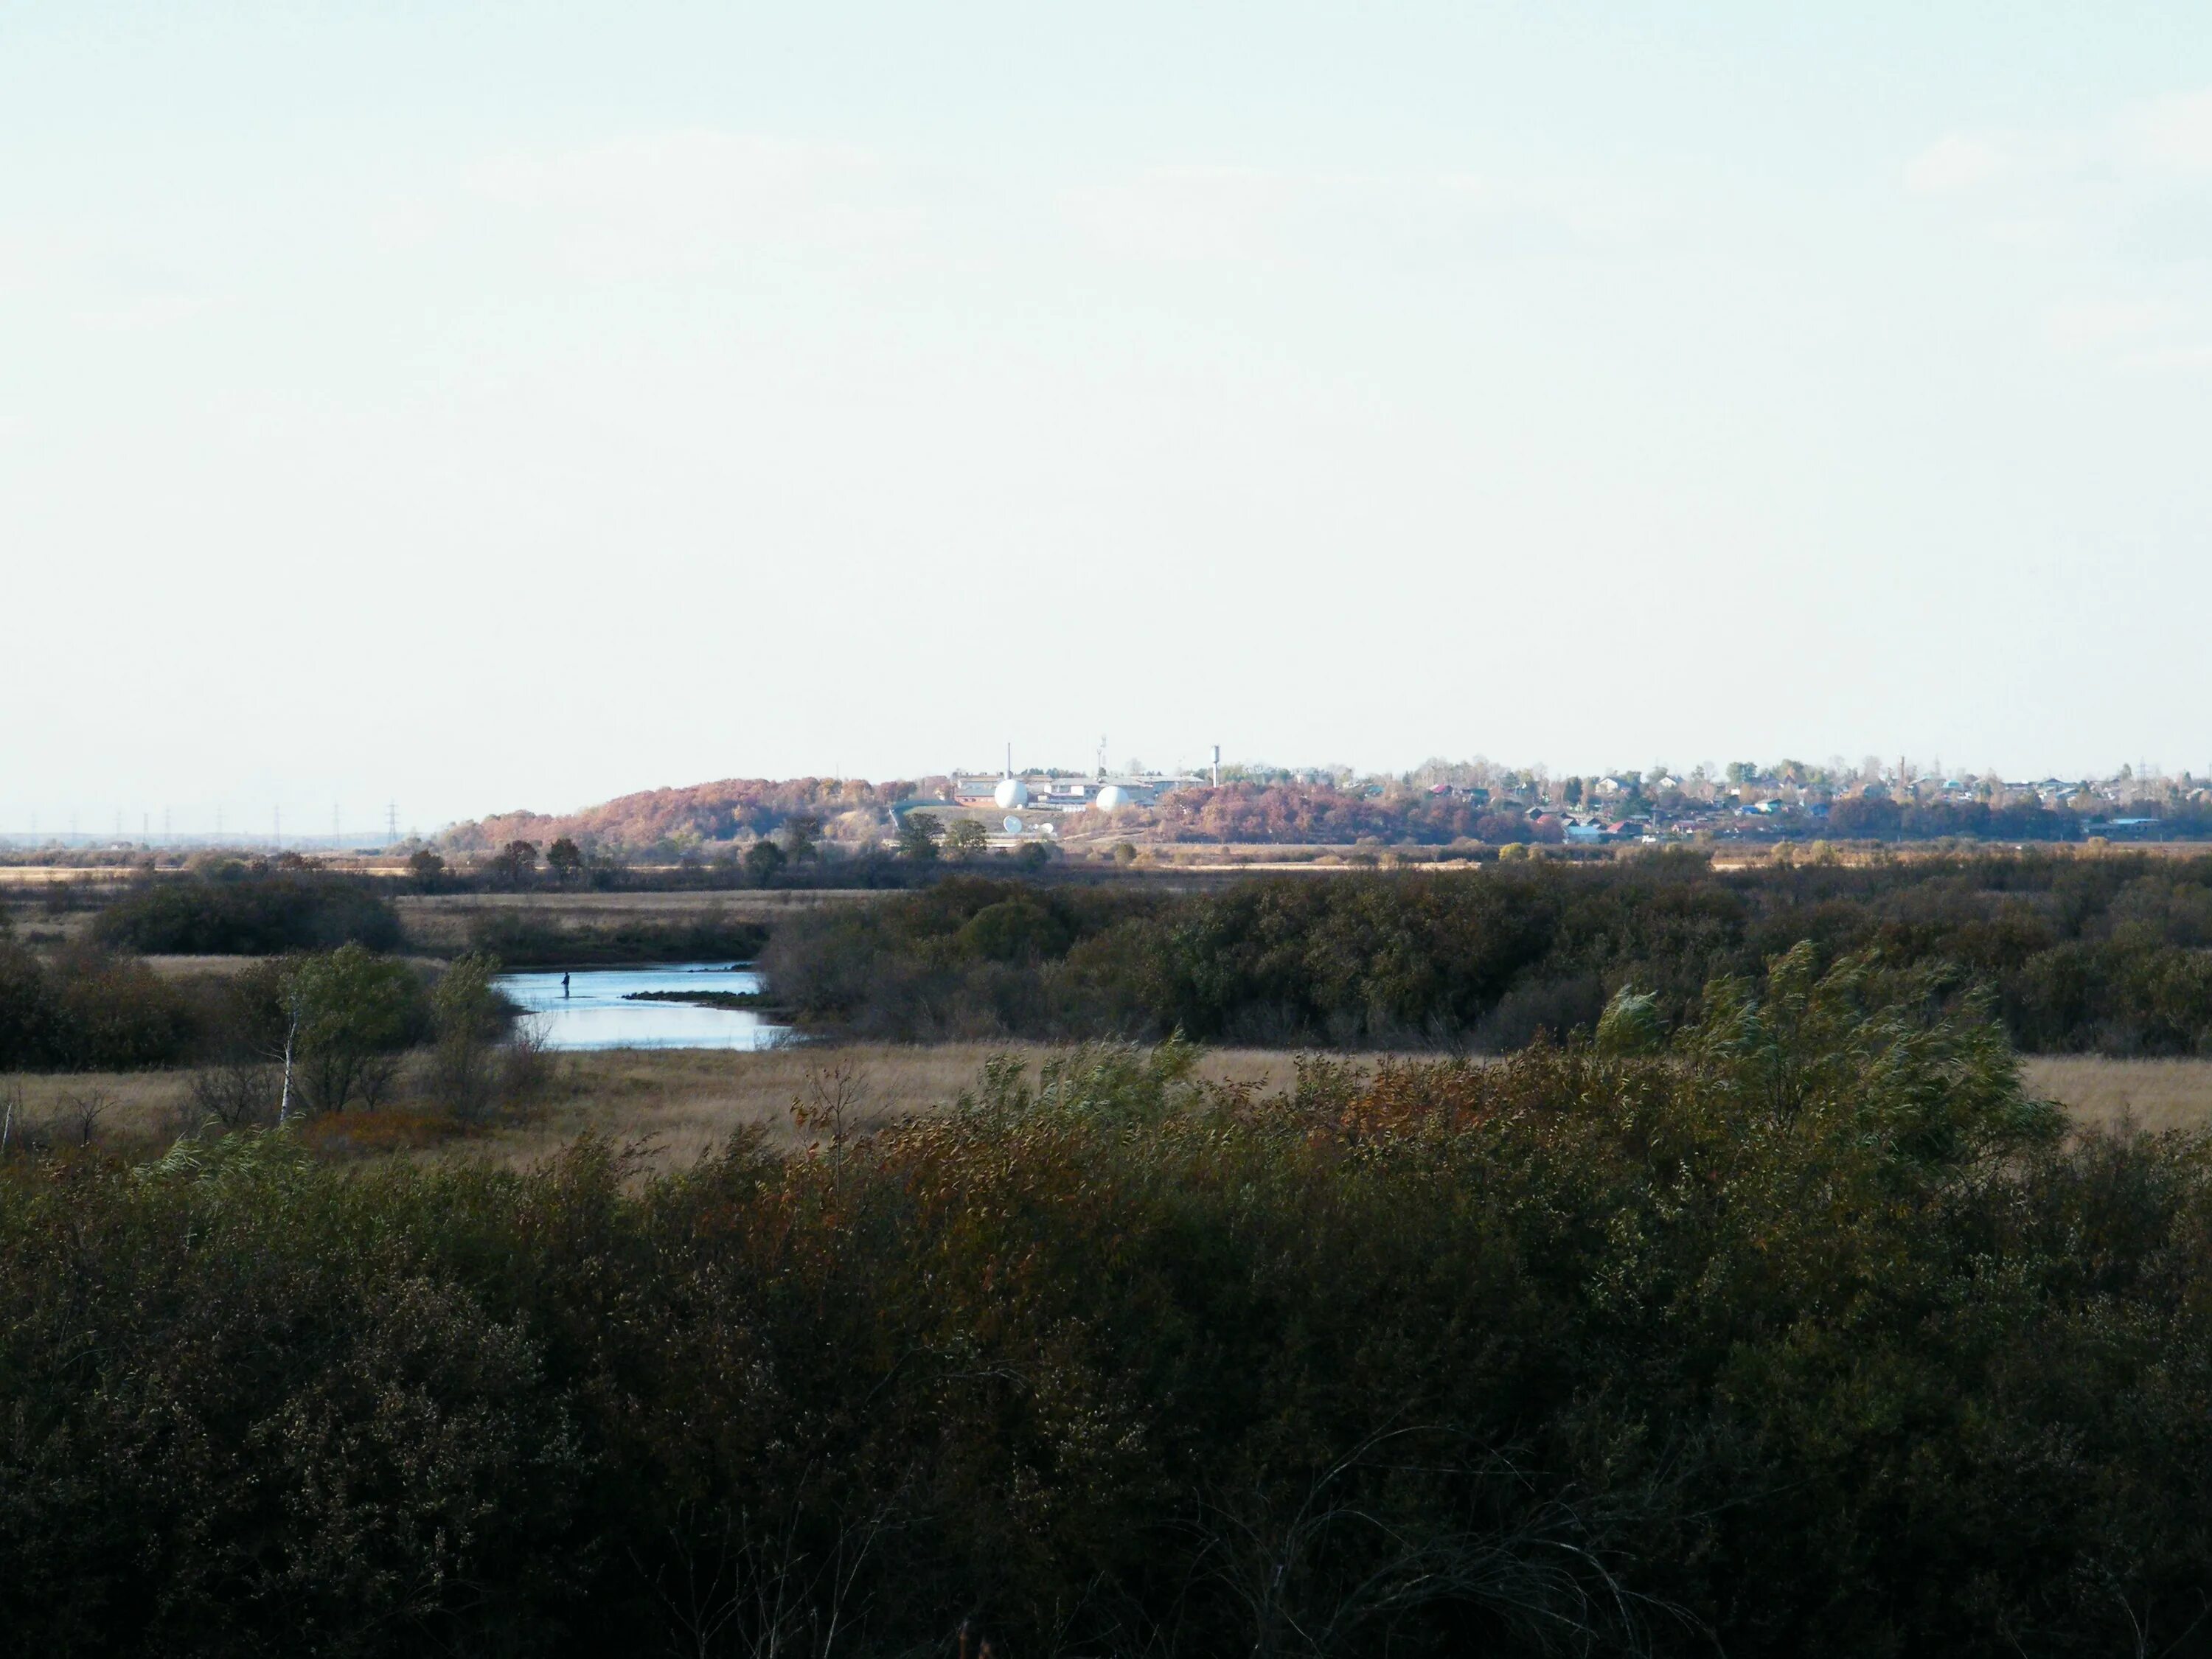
point(1012, 825)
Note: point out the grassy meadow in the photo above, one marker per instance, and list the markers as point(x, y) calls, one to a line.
point(679, 1105)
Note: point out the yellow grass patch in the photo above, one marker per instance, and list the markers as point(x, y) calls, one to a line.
point(680, 1103)
point(2153, 1094)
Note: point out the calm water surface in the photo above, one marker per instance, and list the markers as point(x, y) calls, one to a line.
point(595, 1014)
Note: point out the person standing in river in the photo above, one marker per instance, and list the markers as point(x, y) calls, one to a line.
point(564, 985)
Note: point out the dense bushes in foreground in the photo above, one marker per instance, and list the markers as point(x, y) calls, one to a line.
point(1802, 1334)
point(2111, 954)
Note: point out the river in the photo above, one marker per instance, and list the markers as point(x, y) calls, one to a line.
point(596, 1011)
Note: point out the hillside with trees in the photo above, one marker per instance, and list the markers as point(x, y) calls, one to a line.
point(1437, 804)
point(730, 809)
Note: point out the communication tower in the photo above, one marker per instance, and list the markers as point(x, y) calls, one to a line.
point(1011, 792)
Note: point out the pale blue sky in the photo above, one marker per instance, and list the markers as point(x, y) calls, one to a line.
point(519, 404)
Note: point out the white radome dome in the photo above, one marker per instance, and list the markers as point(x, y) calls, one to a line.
point(1010, 793)
point(1113, 797)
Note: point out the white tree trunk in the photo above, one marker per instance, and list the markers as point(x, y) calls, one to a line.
point(284, 1101)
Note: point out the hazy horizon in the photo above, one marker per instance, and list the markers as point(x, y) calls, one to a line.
point(531, 405)
point(302, 831)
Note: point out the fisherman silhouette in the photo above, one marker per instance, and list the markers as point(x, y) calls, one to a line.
point(564, 985)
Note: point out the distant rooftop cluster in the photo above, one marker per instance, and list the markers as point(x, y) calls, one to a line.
point(1437, 804)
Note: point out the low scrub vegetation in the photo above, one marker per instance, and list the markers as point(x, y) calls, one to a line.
point(233, 909)
point(311, 1032)
point(87, 1009)
point(1796, 1330)
point(523, 939)
point(2112, 954)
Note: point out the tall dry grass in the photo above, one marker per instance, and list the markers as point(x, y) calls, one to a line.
point(2152, 1094)
point(683, 1102)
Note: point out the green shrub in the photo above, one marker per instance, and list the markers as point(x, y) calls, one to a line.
point(88, 1010)
point(1803, 1332)
point(2113, 956)
point(233, 912)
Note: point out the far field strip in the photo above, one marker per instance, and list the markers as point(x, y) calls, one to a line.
point(680, 1104)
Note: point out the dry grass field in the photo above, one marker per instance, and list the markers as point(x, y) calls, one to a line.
point(674, 1105)
point(2152, 1094)
point(682, 1102)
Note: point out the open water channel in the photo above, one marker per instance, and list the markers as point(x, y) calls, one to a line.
point(597, 1011)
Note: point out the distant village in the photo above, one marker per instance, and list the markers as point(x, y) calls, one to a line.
point(1442, 805)
point(1874, 800)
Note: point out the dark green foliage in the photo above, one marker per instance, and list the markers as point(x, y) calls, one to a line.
point(88, 1010)
point(2112, 955)
point(1800, 1334)
point(348, 1015)
point(763, 858)
point(918, 836)
point(236, 912)
point(471, 1068)
point(1879, 817)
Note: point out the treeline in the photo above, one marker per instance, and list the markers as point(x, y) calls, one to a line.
point(1289, 814)
point(1802, 1334)
point(346, 1014)
point(86, 1009)
point(521, 939)
point(1878, 818)
point(516, 868)
point(2110, 955)
point(706, 812)
point(237, 910)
